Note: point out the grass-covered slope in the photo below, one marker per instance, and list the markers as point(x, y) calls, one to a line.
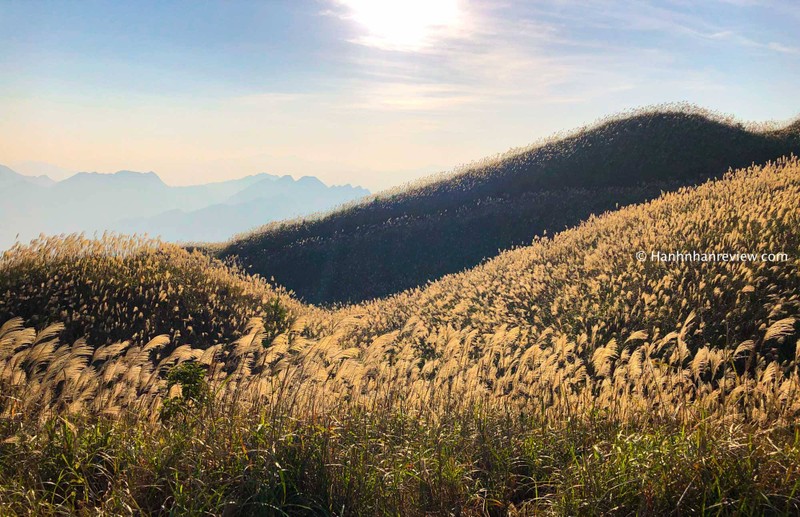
point(402, 239)
point(127, 288)
point(582, 310)
point(565, 377)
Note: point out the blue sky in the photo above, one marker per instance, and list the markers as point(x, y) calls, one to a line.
point(364, 91)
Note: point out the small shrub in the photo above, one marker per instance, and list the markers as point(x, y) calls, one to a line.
point(195, 392)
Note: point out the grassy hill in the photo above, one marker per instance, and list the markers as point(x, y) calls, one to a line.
point(401, 239)
point(126, 288)
point(584, 294)
point(564, 377)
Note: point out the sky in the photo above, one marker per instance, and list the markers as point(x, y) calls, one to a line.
point(367, 92)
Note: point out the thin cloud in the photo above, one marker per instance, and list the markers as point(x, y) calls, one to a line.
point(398, 96)
point(268, 98)
point(496, 58)
point(780, 47)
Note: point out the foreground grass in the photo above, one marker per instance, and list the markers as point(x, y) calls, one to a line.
point(562, 378)
point(394, 461)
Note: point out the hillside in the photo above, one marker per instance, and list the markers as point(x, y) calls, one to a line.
point(583, 308)
point(131, 289)
point(562, 376)
point(402, 239)
point(583, 291)
point(584, 301)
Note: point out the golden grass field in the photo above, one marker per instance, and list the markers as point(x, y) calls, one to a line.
point(564, 377)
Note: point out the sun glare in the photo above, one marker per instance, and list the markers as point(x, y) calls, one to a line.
point(403, 24)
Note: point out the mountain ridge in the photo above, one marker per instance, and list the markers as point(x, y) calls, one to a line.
point(141, 202)
point(7, 174)
point(402, 238)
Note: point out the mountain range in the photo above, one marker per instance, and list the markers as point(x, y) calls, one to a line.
point(135, 202)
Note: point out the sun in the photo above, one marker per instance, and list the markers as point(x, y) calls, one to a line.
point(403, 24)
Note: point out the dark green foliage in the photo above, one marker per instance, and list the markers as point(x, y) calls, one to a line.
point(195, 393)
point(276, 319)
point(403, 240)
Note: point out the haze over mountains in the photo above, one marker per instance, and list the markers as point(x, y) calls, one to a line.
point(135, 202)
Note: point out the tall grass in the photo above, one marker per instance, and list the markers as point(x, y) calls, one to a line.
point(120, 288)
point(565, 377)
point(394, 460)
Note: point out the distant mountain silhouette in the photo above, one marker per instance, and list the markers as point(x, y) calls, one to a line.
point(404, 238)
point(38, 168)
point(270, 199)
point(136, 202)
point(8, 176)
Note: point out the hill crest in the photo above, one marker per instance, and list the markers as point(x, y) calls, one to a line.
point(404, 237)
